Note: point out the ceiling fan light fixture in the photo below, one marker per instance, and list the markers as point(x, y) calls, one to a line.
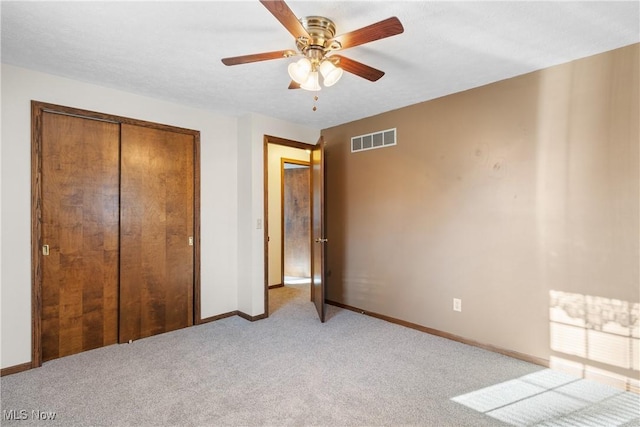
point(330, 73)
point(312, 83)
point(300, 71)
point(315, 38)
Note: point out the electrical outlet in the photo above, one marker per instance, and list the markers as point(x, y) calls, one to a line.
point(457, 304)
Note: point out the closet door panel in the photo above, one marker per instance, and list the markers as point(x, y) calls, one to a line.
point(157, 222)
point(80, 215)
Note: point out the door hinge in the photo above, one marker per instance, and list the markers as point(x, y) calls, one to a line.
point(190, 240)
point(45, 250)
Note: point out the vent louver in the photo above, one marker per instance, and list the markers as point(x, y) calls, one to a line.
point(385, 138)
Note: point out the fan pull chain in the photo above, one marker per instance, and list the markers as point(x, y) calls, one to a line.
point(315, 98)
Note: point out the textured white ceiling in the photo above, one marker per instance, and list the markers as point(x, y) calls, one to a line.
point(172, 50)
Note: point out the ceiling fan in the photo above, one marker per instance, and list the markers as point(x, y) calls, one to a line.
point(315, 41)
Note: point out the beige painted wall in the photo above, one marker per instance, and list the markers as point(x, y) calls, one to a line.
point(275, 154)
point(503, 196)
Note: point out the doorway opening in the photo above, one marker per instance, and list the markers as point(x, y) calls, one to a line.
point(287, 213)
point(295, 222)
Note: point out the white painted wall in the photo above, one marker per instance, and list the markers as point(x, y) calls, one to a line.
point(251, 131)
point(276, 154)
point(225, 188)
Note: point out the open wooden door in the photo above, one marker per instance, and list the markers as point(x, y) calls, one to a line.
point(318, 240)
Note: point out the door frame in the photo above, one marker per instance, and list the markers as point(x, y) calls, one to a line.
point(37, 111)
point(269, 139)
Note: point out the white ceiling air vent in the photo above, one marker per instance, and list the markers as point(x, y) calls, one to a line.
point(385, 138)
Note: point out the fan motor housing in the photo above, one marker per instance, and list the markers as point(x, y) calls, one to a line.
point(320, 29)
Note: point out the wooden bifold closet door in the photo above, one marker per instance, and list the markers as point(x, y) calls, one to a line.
point(116, 242)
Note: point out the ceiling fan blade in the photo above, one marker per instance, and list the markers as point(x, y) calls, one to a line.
point(294, 85)
point(380, 30)
point(357, 68)
point(265, 56)
point(281, 11)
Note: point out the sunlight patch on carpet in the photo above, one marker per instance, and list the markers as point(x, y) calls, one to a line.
point(551, 398)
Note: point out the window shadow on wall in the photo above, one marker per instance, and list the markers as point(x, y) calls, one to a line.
point(595, 337)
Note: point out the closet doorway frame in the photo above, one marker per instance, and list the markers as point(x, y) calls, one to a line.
point(38, 109)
